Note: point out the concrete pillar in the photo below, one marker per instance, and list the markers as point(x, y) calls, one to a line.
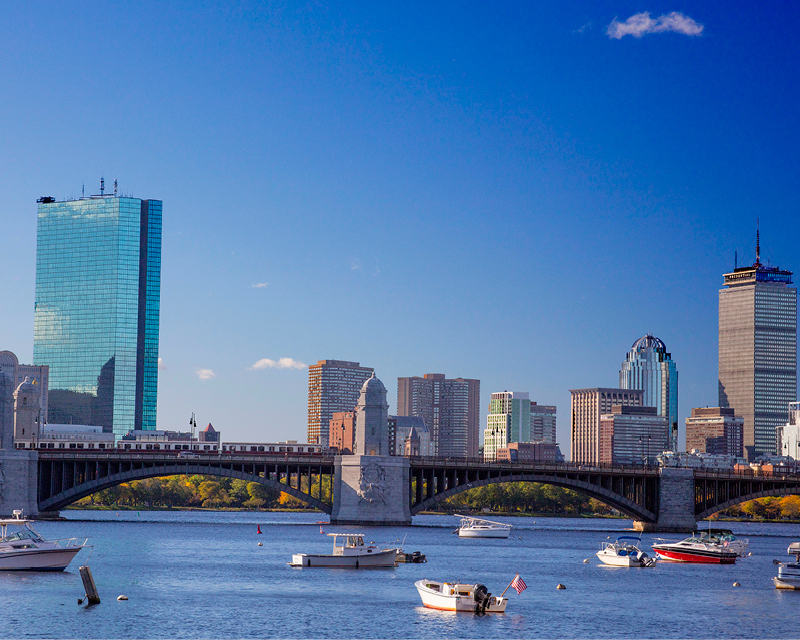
point(18, 482)
point(675, 503)
point(371, 490)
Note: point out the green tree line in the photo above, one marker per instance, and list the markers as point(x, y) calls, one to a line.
point(209, 492)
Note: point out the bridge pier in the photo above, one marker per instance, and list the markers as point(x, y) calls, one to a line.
point(371, 491)
point(675, 503)
point(18, 482)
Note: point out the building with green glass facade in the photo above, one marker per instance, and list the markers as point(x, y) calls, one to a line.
point(98, 280)
point(509, 420)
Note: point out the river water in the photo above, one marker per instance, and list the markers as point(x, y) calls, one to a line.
point(191, 574)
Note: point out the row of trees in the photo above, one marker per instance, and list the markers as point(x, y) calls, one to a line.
point(513, 497)
point(202, 491)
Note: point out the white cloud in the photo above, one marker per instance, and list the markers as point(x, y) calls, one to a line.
point(640, 24)
point(206, 374)
point(161, 365)
point(588, 25)
point(260, 285)
point(282, 363)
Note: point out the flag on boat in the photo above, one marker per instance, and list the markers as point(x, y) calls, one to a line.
point(518, 584)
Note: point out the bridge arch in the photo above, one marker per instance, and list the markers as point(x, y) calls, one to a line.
point(611, 498)
point(765, 493)
point(68, 496)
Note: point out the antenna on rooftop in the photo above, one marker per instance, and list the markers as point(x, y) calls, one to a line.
point(758, 243)
point(735, 260)
point(102, 186)
point(115, 187)
point(83, 187)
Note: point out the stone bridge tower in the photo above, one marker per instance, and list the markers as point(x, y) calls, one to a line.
point(371, 487)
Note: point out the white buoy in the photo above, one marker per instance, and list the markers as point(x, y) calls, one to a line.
point(122, 597)
point(586, 561)
point(260, 544)
point(736, 584)
point(560, 586)
point(750, 554)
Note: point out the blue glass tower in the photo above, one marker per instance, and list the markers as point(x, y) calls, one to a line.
point(98, 285)
point(649, 368)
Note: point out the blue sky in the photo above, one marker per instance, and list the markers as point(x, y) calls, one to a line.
point(495, 191)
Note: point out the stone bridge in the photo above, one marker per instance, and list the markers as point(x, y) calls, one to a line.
point(668, 499)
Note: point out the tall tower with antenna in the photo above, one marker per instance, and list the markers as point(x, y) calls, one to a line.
point(758, 350)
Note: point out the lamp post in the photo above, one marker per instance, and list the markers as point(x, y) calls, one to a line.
point(193, 424)
point(647, 457)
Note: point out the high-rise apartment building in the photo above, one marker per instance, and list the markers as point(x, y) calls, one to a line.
point(650, 368)
point(543, 423)
point(632, 435)
point(98, 282)
point(587, 405)
point(450, 407)
point(333, 386)
point(715, 430)
point(758, 351)
point(508, 420)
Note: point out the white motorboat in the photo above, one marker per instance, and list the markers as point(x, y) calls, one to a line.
point(478, 528)
point(23, 549)
point(625, 552)
point(349, 550)
point(456, 596)
point(789, 572)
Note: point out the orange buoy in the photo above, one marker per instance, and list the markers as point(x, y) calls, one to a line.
point(320, 529)
point(259, 528)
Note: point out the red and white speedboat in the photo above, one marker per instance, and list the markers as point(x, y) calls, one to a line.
point(711, 547)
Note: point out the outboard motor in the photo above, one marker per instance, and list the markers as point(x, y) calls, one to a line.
point(482, 598)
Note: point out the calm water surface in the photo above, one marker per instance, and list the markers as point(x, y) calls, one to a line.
point(202, 575)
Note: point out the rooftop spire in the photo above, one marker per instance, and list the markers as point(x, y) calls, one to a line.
point(758, 245)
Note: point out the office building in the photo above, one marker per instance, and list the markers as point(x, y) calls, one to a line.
point(758, 351)
point(650, 368)
point(333, 386)
point(38, 375)
point(409, 435)
point(715, 430)
point(632, 435)
point(508, 420)
point(587, 405)
point(98, 279)
point(543, 423)
point(342, 432)
point(450, 408)
point(788, 435)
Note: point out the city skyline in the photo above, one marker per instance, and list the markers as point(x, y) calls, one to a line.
point(368, 177)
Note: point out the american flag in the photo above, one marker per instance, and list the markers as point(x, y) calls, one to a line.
point(519, 584)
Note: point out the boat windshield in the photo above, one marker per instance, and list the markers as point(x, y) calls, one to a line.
point(23, 534)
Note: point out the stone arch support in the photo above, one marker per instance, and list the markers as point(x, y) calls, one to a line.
point(611, 498)
point(68, 496)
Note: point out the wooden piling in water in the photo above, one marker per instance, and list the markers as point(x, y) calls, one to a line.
point(92, 596)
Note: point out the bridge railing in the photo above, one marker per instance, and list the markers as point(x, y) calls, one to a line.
point(554, 466)
point(168, 456)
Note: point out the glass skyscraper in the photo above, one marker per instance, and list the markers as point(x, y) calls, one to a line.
point(758, 351)
point(98, 281)
point(649, 368)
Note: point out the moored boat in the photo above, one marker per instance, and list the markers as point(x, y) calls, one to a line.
point(457, 596)
point(789, 572)
point(23, 549)
point(470, 527)
point(349, 550)
point(624, 552)
point(703, 547)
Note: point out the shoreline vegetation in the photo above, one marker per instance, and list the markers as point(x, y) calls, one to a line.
point(526, 499)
